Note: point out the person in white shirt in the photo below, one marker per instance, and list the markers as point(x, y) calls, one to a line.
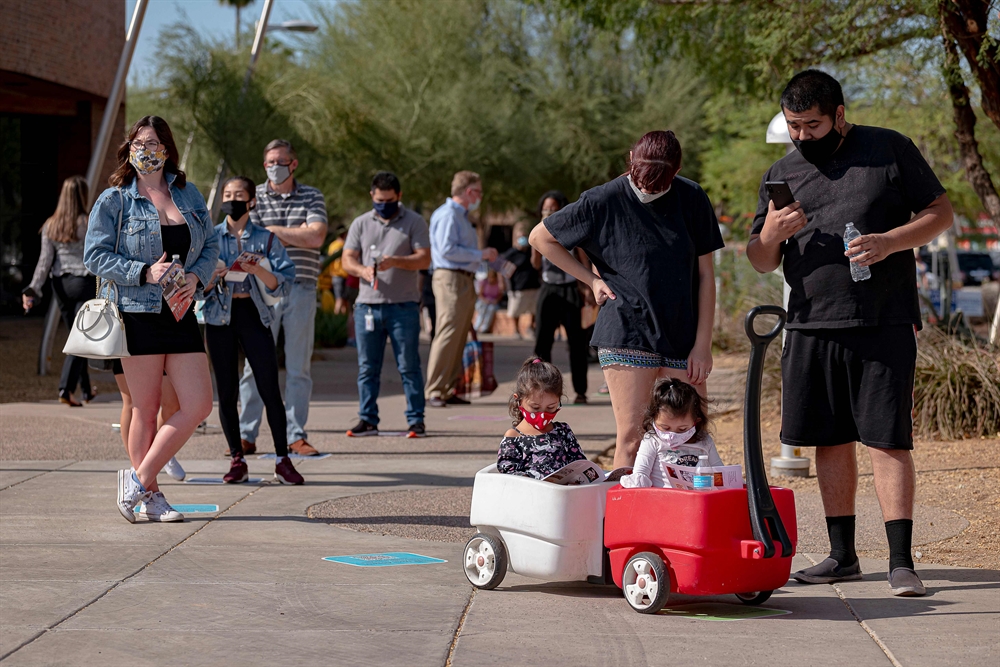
point(676, 424)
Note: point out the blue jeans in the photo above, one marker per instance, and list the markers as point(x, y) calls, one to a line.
point(297, 312)
point(400, 323)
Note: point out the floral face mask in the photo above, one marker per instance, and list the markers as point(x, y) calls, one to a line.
point(147, 162)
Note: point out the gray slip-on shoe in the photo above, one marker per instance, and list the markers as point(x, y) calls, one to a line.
point(904, 582)
point(829, 572)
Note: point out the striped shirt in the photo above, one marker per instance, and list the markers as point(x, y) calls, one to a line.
point(303, 204)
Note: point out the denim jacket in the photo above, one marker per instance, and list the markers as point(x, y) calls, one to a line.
point(219, 300)
point(142, 243)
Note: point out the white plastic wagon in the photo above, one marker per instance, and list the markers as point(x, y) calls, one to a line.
point(534, 528)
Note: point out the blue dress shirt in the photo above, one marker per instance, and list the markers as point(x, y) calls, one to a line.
point(454, 244)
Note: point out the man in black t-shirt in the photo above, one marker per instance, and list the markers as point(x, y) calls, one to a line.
point(850, 352)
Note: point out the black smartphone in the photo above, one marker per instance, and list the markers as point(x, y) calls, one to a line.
point(780, 194)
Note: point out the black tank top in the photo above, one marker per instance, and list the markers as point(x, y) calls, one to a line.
point(176, 241)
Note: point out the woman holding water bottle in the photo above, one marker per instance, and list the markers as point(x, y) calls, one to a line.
point(160, 215)
point(650, 235)
point(238, 317)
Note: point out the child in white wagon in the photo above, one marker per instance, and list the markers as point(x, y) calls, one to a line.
point(537, 445)
point(676, 424)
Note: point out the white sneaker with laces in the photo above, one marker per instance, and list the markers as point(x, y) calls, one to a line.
point(156, 508)
point(130, 493)
point(174, 469)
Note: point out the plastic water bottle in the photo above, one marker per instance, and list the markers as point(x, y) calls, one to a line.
point(858, 273)
point(704, 475)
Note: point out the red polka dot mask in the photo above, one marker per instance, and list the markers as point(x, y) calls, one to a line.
point(538, 420)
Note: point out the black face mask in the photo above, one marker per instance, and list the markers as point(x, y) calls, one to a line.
point(819, 150)
point(234, 209)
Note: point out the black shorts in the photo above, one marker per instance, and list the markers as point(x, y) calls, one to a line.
point(845, 385)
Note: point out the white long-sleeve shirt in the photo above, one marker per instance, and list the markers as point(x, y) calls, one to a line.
point(653, 453)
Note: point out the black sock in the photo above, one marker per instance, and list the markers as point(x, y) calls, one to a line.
point(841, 532)
point(900, 535)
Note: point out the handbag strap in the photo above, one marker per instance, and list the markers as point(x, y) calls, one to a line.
point(270, 240)
point(118, 238)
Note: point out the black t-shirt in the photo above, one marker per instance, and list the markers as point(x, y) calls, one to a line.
point(648, 255)
point(877, 179)
point(525, 276)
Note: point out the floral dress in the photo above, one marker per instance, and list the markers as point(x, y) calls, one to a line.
point(539, 455)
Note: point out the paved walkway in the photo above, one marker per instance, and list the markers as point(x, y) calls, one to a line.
point(247, 584)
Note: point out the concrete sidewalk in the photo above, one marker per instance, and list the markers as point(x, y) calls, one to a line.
point(248, 584)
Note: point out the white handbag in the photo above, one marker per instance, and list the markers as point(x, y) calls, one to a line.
point(98, 331)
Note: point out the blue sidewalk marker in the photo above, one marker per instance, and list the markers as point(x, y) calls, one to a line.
point(385, 560)
point(296, 457)
point(193, 509)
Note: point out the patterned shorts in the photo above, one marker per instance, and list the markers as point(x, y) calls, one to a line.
point(623, 356)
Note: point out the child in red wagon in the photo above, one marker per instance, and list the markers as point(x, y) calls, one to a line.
point(676, 424)
point(537, 446)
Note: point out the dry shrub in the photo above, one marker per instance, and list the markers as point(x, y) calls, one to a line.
point(956, 392)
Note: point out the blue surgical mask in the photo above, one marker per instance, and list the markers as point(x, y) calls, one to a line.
point(522, 241)
point(386, 209)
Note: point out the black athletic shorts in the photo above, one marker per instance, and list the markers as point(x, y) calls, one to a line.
point(845, 385)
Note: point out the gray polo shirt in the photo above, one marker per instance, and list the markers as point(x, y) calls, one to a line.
point(303, 204)
point(401, 236)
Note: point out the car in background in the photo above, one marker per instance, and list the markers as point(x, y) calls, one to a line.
point(973, 267)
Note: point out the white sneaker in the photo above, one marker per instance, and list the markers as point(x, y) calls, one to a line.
point(130, 493)
point(156, 508)
point(174, 469)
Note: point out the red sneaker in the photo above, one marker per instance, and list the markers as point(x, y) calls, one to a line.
point(238, 472)
point(285, 472)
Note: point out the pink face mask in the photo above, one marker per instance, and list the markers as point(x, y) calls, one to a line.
point(671, 439)
point(538, 420)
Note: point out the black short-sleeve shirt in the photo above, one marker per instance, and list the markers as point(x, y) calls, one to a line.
point(877, 179)
point(648, 255)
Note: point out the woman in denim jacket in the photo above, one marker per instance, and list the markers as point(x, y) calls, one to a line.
point(161, 216)
point(236, 316)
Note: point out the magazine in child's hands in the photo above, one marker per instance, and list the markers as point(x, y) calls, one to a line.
point(682, 477)
point(584, 472)
point(237, 272)
point(171, 282)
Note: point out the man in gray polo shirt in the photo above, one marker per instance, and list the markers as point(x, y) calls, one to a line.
point(386, 248)
point(296, 214)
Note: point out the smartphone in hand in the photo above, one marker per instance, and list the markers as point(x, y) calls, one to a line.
point(780, 194)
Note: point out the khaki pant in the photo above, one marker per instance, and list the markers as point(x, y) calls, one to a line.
point(455, 300)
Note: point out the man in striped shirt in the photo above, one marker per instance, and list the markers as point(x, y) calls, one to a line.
point(296, 214)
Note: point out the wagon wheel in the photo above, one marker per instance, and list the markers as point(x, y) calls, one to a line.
point(646, 583)
point(755, 597)
point(485, 561)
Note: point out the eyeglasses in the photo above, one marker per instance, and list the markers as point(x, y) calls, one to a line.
point(275, 163)
point(149, 145)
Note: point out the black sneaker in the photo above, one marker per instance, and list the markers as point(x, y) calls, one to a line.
point(829, 572)
point(361, 429)
point(416, 430)
point(455, 400)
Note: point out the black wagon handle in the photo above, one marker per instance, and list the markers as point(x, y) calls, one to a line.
point(764, 518)
point(756, 338)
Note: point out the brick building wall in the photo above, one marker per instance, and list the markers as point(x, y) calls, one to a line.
point(58, 60)
point(75, 43)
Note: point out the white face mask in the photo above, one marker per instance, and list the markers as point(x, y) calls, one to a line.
point(474, 205)
point(644, 197)
point(278, 173)
point(671, 439)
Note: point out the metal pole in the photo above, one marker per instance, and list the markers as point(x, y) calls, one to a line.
point(48, 336)
point(258, 41)
point(114, 100)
